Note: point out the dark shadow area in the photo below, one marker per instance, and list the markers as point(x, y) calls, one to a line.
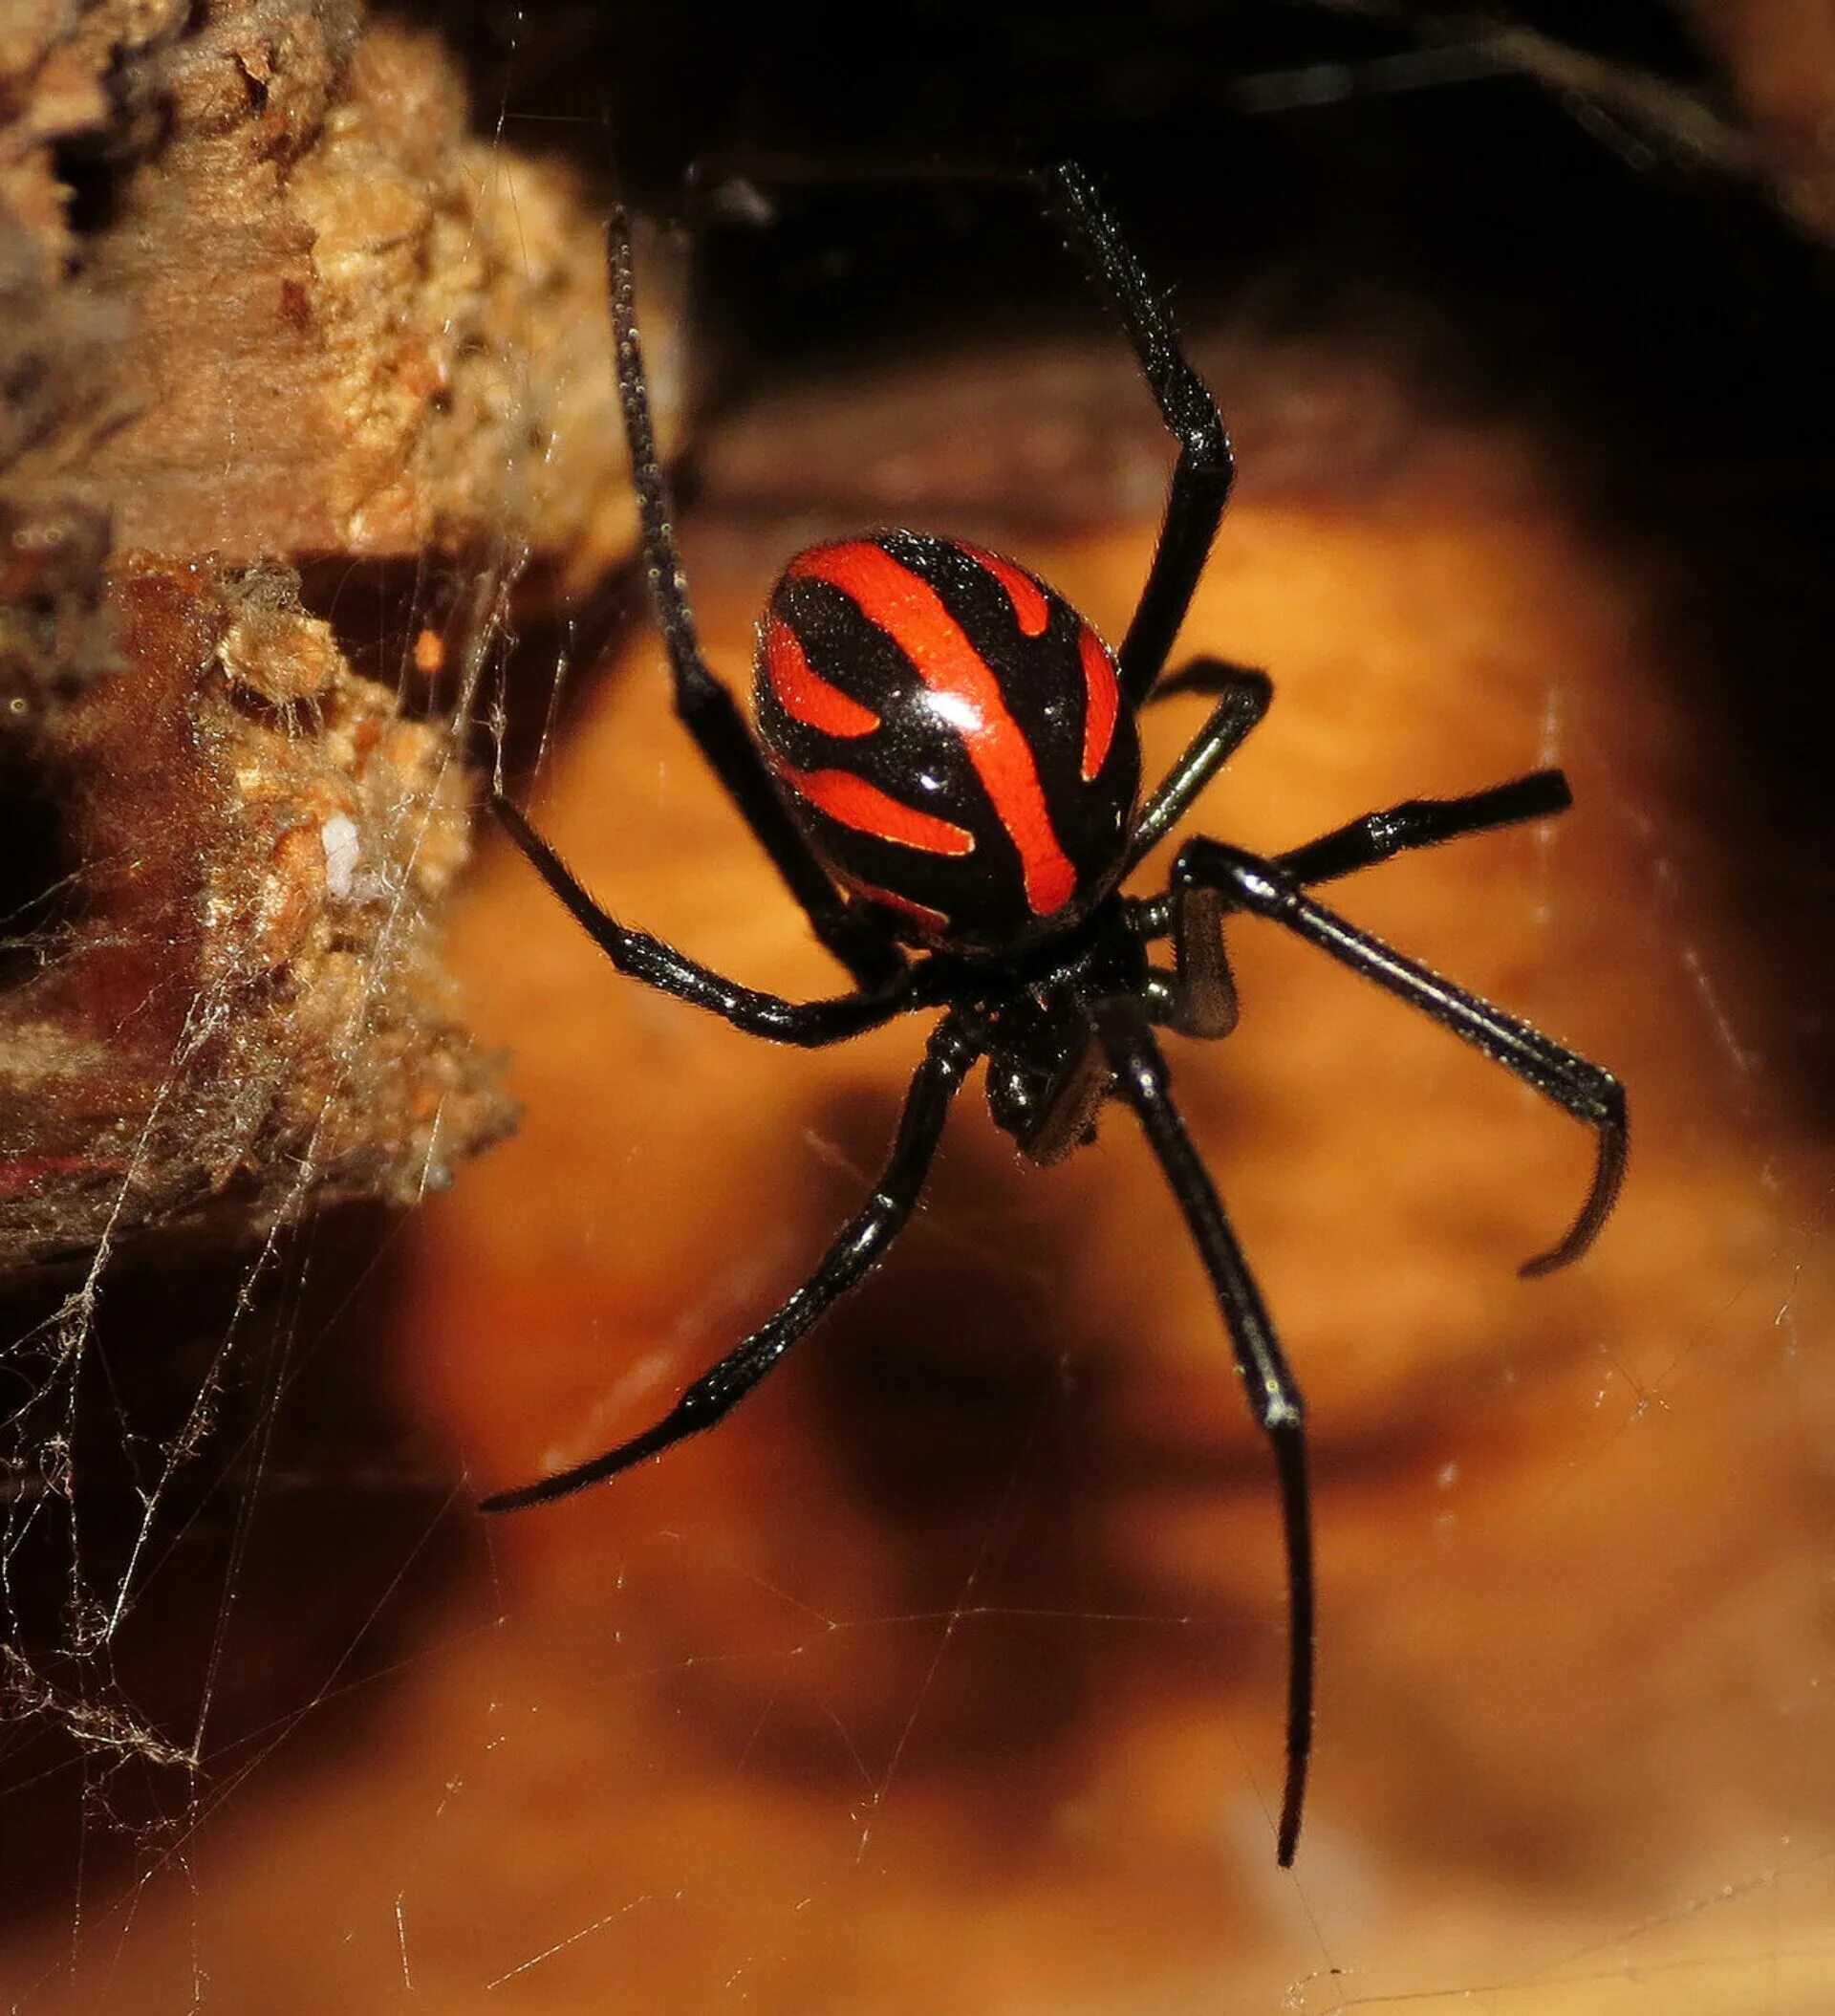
point(296, 1544)
point(39, 894)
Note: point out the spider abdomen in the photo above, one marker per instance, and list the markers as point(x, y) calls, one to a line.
point(951, 736)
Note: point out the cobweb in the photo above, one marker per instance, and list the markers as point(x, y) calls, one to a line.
point(952, 1672)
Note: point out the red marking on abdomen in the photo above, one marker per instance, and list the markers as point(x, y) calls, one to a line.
point(1102, 698)
point(852, 801)
point(935, 921)
point(803, 693)
point(1030, 609)
point(910, 612)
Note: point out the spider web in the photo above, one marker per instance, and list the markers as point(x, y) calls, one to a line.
point(954, 1672)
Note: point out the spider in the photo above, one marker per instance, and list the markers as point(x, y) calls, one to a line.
point(946, 774)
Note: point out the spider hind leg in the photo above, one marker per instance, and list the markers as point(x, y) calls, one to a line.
point(1142, 1079)
point(955, 1044)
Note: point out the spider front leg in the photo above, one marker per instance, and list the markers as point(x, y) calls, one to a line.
point(1425, 822)
point(1142, 1079)
point(1205, 468)
point(1198, 998)
point(808, 1024)
point(708, 710)
point(1244, 699)
point(1581, 1088)
point(955, 1044)
point(1379, 836)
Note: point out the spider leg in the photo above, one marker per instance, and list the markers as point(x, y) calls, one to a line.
point(1208, 675)
point(1580, 1088)
point(808, 1024)
point(1379, 836)
point(1205, 468)
point(1244, 700)
point(706, 707)
point(1142, 1078)
point(1199, 997)
point(1425, 822)
point(955, 1044)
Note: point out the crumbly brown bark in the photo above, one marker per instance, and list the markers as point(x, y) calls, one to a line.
point(266, 301)
point(252, 1013)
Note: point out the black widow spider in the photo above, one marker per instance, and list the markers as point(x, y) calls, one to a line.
point(950, 767)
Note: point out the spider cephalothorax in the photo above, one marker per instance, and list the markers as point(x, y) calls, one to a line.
point(945, 776)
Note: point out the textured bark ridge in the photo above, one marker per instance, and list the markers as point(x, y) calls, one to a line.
point(269, 312)
point(252, 1011)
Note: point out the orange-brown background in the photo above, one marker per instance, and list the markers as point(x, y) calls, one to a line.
point(949, 1672)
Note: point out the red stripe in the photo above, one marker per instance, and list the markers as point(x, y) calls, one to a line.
point(1030, 609)
point(802, 691)
point(910, 612)
point(935, 921)
point(852, 801)
point(1102, 696)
